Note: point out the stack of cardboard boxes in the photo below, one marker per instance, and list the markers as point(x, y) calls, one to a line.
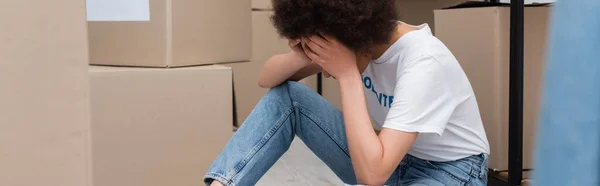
point(161, 109)
point(157, 104)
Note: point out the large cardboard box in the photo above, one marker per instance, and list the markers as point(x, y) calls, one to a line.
point(44, 101)
point(410, 11)
point(417, 12)
point(311, 82)
point(156, 127)
point(179, 33)
point(262, 5)
point(331, 91)
point(266, 43)
point(480, 38)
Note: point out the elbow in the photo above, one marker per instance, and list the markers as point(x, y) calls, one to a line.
point(375, 181)
point(374, 177)
point(263, 81)
point(263, 84)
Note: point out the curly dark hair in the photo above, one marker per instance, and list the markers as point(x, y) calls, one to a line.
point(358, 24)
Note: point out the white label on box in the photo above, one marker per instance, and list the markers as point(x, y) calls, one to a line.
point(118, 10)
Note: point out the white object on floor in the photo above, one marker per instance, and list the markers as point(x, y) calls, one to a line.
point(299, 167)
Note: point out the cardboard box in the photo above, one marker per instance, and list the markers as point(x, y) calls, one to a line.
point(179, 33)
point(262, 5)
point(331, 91)
point(311, 82)
point(266, 43)
point(417, 12)
point(156, 127)
point(480, 38)
point(410, 11)
point(246, 91)
point(44, 101)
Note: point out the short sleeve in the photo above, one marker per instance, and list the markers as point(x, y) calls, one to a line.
point(423, 100)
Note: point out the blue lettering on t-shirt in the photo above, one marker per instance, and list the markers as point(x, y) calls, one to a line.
point(384, 99)
point(385, 102)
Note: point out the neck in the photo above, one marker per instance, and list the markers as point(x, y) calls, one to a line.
point(378, 50)
point(401, 30)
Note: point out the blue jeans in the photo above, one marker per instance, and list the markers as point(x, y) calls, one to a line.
point(293, 109)
point(568, 148)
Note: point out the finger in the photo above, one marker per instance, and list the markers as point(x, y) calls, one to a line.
point(315, 47)
point(326, 37)
point(314, 57)
point(294, 42)
point(319, 41)
point(304, 47)
point(326, 74)
point(309, 53)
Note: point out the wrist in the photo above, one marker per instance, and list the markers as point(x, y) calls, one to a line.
point(350, 79)
point(300, 57)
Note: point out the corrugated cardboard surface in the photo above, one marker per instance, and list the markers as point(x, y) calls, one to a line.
point(131, 43)
point(479, 38)
point(157, 127)
point(409, 11)
point(331, 92)
point(266, 42)
point(44, 101)
point(417, 12)
point(311, 82)
point(262, 4)
point(179, 33)
point(211, 31)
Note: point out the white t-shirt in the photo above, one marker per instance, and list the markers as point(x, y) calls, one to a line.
point(417, 85)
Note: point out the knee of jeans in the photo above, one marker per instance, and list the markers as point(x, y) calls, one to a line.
point(291, 89)
point(299, 91)
point(280, 90)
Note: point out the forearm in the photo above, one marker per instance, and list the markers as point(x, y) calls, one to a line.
point(365, 147)
point(280, 68)
point(374, 157)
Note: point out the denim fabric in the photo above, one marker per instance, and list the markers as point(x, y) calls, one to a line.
point(569, 130)
point(293, 109)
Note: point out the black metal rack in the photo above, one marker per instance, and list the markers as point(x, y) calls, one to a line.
point(515, 116)
point(320, 83)
point(515, 123)
point(515, 113)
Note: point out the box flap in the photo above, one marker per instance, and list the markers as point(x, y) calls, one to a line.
point(478, 4)
point(100, 68)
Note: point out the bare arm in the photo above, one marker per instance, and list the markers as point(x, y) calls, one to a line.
point(282, 67)
point(294, 66)
point(374, 157)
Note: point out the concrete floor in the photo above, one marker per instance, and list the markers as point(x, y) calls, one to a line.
point(299, 167)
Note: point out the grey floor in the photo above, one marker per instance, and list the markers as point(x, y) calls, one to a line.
point(299, 167)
